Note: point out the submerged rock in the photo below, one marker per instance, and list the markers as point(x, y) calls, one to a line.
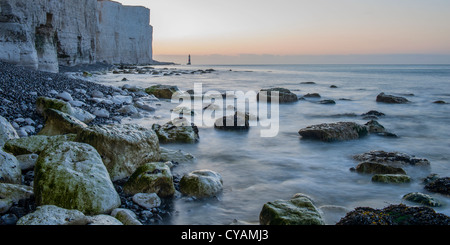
point(201, 184)
point(439, 185)
point(421, 198)
point(284, 95)
point(377, 168)
point(299, 210)
point(334, 131)
point(394, 215)
point(153, 177)
point(391, 99)
point(238, 121)
point(53, 215)
point(123, 148)
point(177, 131)
point(175, 155)
point(395, 159)
point(391, 178)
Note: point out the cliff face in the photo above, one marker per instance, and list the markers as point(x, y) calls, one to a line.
point(124, 34)
point(44, 34)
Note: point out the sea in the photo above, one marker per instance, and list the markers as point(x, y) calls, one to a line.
point(257, 170)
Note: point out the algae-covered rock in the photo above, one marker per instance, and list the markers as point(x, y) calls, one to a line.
point(391, 178)
point(15, 192)
point(53, 215)
point(378, 168)
point(103, 219)
point(339, 131)
point(422, 198)
point(153, 177)
point(71, 175)
point(7, 132)
point(123, 148)
point(35, 143)
point(126, 216)
point(439, 185)
point(395, 159)
point(162, 91)
point(44, 103)
point(299, 210)
point(10, 171)
point(58, 123)
point(201, 184)
point(177, 131)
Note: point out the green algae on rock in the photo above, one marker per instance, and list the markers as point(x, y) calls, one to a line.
point(153, 177)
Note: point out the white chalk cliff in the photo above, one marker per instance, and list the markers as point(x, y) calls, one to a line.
point(44, 34)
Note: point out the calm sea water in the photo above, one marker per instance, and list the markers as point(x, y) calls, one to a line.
point(257, 170)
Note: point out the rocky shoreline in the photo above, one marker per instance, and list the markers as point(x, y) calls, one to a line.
point(48, 119)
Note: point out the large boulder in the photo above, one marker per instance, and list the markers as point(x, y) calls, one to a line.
point(177, 131)
point(284, 95)
point(154, 177)
point(123, 148)
point(58, 123)
point(162, 91)
point(53, 215)
point(10, 171)
point(72, 175)
point(329, 132)
point(395, 159)
point(391, 99)
point(7, 132)
point(299, 210)
point(201, 184)
point(35, 143)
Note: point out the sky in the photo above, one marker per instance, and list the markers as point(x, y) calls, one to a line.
point(294, 31)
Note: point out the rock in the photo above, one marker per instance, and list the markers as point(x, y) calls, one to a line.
point(421, 198)
point(97, 94)
point(395, 159)
point(53, 215)
point(72, 175)
point(285, 95)
point(123, 148)
point(177, 131)
point(373, 113)
point(153, 177)
point(439, 185)
point(147, 200)
point(15, 192)
point(122, 99)
point(333, 86)
point(7, 132)
point(144, 106)
point(176, 156)
point(377, 168)
point(45, 103)
point(128, 109)
point(5, 205)
point(82, 115)
point(334, 131)
point(394, 215)
point(391, 178)
point(9, 169)
point(65, 96)
point(201, 184)
point(233, 122)
point(382, 97)
point(440, 102)
point(126, 216)
point(27, 161)
point(100, 112)
point(327, 102)
point(35, 144)
point(162, 91)
point(59, 123)
point(375, 127)
point(312, 95)
point(103, 219)
point(297, 211)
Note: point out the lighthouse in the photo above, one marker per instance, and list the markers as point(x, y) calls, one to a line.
point(189, 60)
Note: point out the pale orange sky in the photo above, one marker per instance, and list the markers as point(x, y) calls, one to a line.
point(298, 27)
